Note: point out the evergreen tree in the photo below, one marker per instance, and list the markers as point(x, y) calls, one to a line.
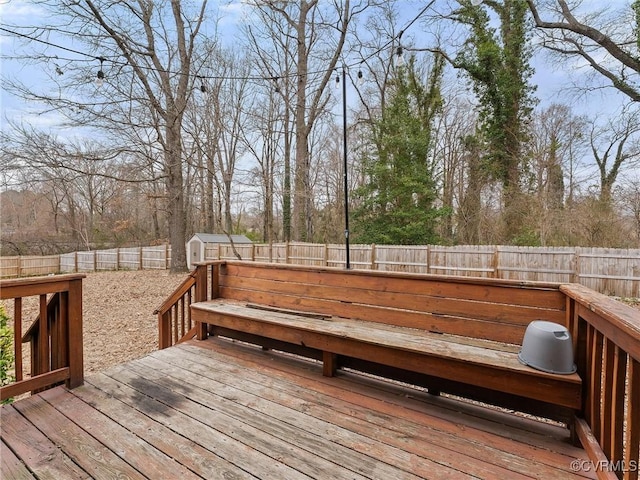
point(396, 203)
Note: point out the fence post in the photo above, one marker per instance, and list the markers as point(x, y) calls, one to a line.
point(373, 256)
point(576, 266)
point(496, 262)
point(428, 258)
point(19, 266)
point(326, 254)
point(95, 260)
point(166, 256)
point(75, 262)
point(140, 267)
point(286, 253)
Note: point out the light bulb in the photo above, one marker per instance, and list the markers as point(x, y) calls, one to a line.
point(399, 57)
point(337, 82)
point(100, 79)
point(360, 77)
point(476, 3)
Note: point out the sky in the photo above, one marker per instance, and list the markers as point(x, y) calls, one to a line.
point(551, 81)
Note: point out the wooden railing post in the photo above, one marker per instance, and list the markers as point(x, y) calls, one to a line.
point(76, 358)
point(201, 295)
point(164, 329)
point(17, 334)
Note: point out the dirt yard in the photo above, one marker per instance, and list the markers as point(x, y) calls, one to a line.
point(119, 324)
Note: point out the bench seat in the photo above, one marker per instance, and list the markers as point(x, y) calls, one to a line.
point(483, 363)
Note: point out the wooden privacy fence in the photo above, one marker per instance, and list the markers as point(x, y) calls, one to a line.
point(607, 270)
point(135, 258)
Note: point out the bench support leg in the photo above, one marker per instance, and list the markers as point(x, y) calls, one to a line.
point(201, 331)
point(329, 364)
point(573, 433)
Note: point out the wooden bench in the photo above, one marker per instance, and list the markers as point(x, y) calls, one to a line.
point(449, 334)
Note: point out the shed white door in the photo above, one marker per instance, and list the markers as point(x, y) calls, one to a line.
point(196, 251)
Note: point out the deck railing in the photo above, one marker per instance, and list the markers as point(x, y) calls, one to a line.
point(607, 339)
point(174, 315)
point(55, 336)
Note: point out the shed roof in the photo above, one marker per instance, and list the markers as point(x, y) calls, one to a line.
point(220, 238)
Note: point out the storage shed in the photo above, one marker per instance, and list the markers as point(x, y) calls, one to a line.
point(197, 244)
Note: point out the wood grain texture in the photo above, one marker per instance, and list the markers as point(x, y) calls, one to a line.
point(411, 349)
point(216, 409)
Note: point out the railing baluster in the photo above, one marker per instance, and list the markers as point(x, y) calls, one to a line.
point(53, 313)
point(608, 411)
point(43, 337)
point(617, 413)
point(174, 321)
point(189, 301)
point(63, 328)
point(588, 400)
point(595, 381)
point(182, 319)
point(632, 420)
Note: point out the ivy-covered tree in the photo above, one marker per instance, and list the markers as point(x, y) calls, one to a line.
point(395, 205)
point(497, 62)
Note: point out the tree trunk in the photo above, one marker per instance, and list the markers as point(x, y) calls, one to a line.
point(302, 195)
point(175, 192)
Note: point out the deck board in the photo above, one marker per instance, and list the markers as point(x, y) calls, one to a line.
point(218, 409)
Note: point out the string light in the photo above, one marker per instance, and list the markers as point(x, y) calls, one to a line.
point(337, 81)
point(476, 3)
point(399, 57)
point(276, 87)
point(360, 77)
point(203, 87)
point(100, 76)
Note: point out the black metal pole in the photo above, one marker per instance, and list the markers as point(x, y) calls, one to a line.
point(344, 158)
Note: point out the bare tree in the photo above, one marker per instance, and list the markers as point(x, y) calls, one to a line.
point(615, 146)
point(603, 38)
point(320, 31)
point(146, 53)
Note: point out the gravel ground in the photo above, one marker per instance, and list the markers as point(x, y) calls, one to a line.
point(119, 324)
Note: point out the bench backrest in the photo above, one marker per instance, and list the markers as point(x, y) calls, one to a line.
point(491, 309)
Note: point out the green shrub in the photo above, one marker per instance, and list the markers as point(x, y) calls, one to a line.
point(6, 350)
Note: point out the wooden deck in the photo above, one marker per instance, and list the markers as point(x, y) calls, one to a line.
point(215, 409)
